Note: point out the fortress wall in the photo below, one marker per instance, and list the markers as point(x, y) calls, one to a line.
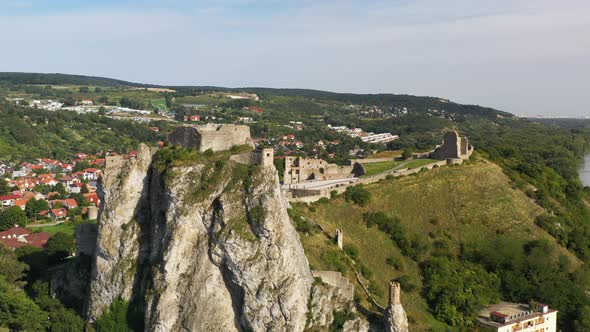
point(223, 137)
point(86, 239)
point(217, 137)
point(336, 280)
point(371, 160)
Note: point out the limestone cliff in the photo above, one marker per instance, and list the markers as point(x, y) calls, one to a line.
point(199, 244)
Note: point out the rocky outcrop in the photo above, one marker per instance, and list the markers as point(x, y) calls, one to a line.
point(356, 325)
point(201, 244)
point(395, 315)
point(325, 300)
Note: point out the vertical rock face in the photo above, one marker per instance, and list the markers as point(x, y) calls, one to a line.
point(124, 192)
point(201, 245)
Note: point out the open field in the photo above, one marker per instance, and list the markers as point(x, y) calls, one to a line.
point(384, 166)
point(380, 167)
point(159, 104)
point(67, 227)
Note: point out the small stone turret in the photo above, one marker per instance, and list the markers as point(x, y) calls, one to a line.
point(340, 238)
point(395, 315)
point(267, 157)
point(394, 293)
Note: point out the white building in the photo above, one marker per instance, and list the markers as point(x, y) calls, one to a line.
point(513, 317)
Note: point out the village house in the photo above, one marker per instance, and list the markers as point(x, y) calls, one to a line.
point(8, 200)
point(92, 198)
point(69, 203)
point(510, 317)
point(57, 214)
point(17, 237)
point(21, 203)
point(92, 174)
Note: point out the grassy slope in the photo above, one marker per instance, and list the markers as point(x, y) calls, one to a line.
point(470, 203)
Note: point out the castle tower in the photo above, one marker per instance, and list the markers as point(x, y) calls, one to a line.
point(267, 157)
point(339, 238)
point(394, 293)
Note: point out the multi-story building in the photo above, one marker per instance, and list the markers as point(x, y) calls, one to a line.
point(515, 317)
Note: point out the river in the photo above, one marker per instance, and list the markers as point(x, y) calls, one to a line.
point(585, 171)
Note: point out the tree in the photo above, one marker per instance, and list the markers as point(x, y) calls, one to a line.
point(84, 89)
point(102, 111)
point(59, 187)
point(455, 290)
point(80, 199)
point(358, 195)
point(4, 187)
point(34, 206)
point(60, 318)
point(408, 153)
point(17, 311)
point(119, 317)
point(10, 267)
point(60, 246)
point(11, 217)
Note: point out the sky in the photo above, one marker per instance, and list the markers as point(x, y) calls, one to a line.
point(527, 57)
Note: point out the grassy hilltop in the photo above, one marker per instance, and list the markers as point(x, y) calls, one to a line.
point(443, 209)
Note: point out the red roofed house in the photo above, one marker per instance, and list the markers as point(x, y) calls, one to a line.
point(21, 203)
point(92, 198)
point(57, 214)
point(67, 167)
point(69, 203)
point(17, 237)
point(8, 200)
point(98, 162)
point(48, 181)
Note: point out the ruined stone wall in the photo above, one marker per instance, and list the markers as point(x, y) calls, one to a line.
point(264, 157)
point(299, 169)
point(451, 147)
point(186, 136)
point(217, 137)
point(335, 279)
point(223, 137)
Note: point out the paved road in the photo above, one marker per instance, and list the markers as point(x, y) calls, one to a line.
point(46, 224)
point(321, 184)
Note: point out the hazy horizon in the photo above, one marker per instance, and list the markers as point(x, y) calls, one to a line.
point(524, 57)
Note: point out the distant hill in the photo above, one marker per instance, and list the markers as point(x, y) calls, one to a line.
point(347, 98)
point(62, 79)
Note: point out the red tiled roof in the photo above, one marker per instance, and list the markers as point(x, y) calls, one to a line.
point(38, 239)
point(18, 231)
point(59, 212)
point(9, 197)
point(20, 202)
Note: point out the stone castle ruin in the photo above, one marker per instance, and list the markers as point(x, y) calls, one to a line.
point(300, 169)
point(221, 137)
point(454, 149)
point(217, 137)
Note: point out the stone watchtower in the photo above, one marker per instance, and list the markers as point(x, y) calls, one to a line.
point(340, 238)
point(394, 293)
point(267, 157)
